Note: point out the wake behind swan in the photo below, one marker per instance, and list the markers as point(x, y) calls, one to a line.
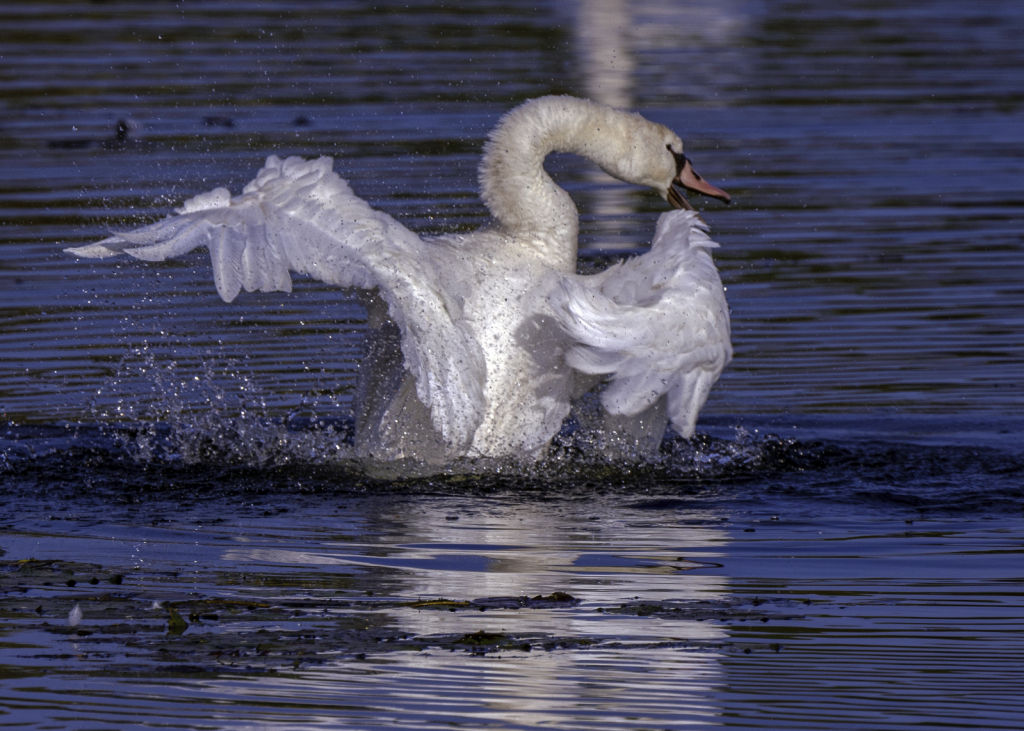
point(481, 342)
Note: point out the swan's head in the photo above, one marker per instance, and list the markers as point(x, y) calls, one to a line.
point(624, 144)
point(655, 158)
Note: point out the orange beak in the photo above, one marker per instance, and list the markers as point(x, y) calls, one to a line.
point(689, 179)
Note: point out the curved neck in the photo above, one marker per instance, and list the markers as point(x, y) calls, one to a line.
point(513, 182)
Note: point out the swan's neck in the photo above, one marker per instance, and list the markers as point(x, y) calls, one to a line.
point(513, 182)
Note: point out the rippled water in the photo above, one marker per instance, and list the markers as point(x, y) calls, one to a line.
point(839, 547)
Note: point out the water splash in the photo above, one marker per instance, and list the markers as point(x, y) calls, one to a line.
point(202, 425)
point(212, 410)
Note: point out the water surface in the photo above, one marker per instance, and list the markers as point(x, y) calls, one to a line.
point(839, 547)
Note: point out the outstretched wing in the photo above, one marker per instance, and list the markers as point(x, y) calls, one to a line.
point(298, 215)
point(656, 325)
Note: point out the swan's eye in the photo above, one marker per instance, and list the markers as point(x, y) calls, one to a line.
point(680, 159)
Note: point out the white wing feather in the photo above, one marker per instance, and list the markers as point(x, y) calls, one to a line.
point(656, 325)
point(298, 215)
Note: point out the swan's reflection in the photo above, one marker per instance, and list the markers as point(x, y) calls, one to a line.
point(602, 555)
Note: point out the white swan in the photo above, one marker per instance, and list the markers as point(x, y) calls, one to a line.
point(481, 341)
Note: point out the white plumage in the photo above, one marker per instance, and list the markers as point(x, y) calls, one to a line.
point(495, 330)
point(656, 326)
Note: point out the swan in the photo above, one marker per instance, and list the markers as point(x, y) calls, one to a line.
point(480, 343)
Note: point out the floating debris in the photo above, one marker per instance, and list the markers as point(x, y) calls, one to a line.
point(176, 625)
point(553, 600)
point(332, 620)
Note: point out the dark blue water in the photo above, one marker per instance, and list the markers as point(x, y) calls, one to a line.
point(840, 546)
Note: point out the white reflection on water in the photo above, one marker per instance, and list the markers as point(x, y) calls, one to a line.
point(621, 46)
point(605, 59)
point(611, 38)
point(594, 690)
point(527, 550)
point(543, 554)
point(604, 47)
